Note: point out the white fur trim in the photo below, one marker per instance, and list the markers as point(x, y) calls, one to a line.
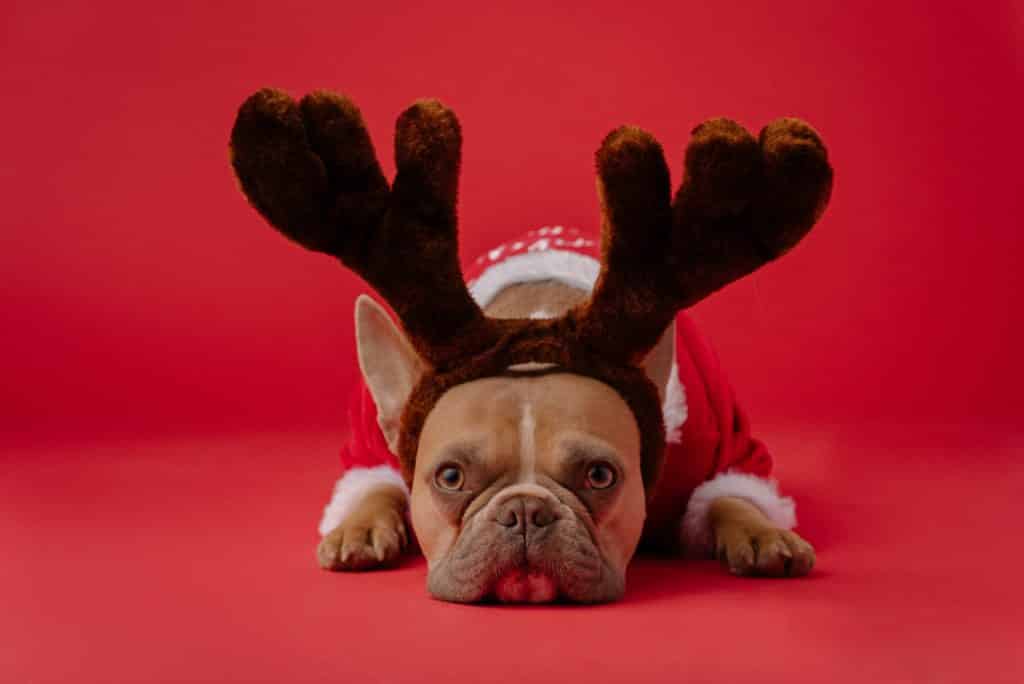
point(761, 492)
point(352, 487)
point(571, 268)
point(674, 409)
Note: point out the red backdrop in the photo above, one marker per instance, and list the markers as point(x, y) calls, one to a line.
point(147, 310)
point(142, 294)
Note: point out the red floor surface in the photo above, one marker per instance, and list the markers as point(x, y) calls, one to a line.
point(192, 560)
point(147, 312)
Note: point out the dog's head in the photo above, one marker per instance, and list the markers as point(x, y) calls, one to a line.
point(527, 486)
point(526, 483)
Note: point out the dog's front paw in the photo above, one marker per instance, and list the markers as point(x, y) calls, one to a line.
point(370, 537)
point(764, 551)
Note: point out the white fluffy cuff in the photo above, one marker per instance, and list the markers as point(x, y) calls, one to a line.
point(352, 487)
point(761, 492)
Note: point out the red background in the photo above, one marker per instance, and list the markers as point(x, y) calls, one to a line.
point(159, 338)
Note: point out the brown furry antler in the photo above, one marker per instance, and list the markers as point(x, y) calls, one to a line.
point(310, 169)
point(743, 202)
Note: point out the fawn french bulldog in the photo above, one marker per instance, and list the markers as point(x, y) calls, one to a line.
point(536, 424)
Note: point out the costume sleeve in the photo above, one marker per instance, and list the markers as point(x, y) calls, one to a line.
point(740, 451)
point(742, 465)
point(366, 461)
point(365, 446)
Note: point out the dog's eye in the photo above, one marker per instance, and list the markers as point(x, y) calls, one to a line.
point(600, 476)
point(449, 477)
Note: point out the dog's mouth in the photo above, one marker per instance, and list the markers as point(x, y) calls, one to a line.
point(562, 564)
point(525, 585)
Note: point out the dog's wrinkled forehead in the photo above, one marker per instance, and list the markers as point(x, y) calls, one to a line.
point(500, 433)
point(527, 422)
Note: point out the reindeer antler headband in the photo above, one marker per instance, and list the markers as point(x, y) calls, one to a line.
point(310, 169)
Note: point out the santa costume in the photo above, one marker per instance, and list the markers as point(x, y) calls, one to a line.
point(710, 452)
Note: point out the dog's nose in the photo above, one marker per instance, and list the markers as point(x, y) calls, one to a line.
point(522, 511)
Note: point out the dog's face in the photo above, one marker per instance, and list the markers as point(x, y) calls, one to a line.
point(527, 486)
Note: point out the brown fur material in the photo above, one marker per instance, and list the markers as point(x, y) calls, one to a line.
point(310, 169)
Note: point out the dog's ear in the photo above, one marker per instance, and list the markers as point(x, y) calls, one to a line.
point(658, 362)
point(390, 366)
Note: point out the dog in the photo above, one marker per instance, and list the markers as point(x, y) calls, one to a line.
point(529, 469)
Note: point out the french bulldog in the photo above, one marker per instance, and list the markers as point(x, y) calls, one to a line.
point(522, 407)
point(527, 485)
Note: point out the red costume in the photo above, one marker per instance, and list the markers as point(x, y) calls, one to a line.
point(710, 451)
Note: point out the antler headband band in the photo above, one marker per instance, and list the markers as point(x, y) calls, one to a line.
point(310, 169)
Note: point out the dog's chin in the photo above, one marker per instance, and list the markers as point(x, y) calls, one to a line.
point(562, 563)
point(525, 586)
point(520, 581)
